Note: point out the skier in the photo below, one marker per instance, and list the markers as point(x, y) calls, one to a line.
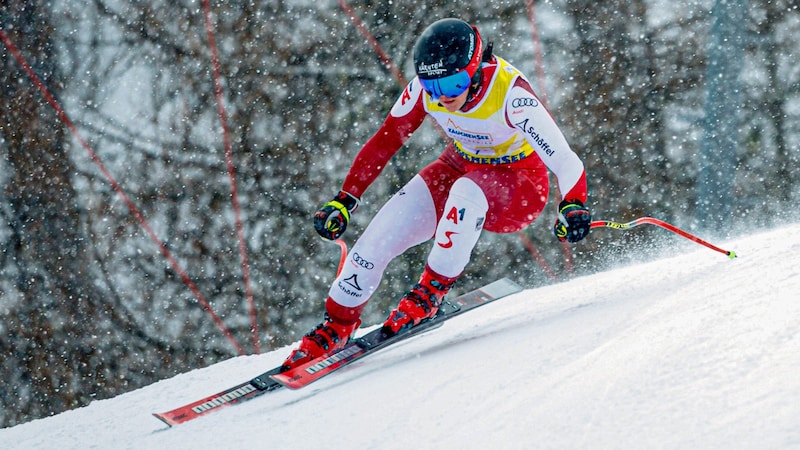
point(492, 175)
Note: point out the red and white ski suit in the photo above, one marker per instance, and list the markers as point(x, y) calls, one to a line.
point(493, 176)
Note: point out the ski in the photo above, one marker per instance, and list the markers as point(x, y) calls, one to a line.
point(245, 391)
point(314, 370)
point(375, 340)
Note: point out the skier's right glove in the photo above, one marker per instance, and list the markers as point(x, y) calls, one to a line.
point(332, 218)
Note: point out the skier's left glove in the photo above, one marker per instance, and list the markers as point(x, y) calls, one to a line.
point(332, 218)
point(573, 222)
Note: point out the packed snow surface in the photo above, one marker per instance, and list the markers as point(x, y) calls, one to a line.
point(693, 350)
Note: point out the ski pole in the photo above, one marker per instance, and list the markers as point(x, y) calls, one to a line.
point(662, 224)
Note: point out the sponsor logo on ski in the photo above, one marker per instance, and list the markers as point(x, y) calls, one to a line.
point(225, 398)
point(333, 359)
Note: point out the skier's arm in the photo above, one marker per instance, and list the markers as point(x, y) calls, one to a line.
point(526, 112)
point(406, 116)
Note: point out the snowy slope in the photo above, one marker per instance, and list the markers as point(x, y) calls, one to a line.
point(691, 351)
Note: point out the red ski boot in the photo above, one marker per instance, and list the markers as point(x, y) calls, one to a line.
point(421, 303)
point(324, 339)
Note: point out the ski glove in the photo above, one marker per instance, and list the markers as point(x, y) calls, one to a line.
point(573, 222)
point(332, 218)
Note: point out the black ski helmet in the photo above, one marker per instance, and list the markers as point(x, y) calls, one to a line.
point(447, 56)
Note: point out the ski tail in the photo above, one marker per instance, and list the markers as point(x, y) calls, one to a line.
point(236, 394)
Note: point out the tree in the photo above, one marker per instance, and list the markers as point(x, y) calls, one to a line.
point(722, 122)
point(55, 320)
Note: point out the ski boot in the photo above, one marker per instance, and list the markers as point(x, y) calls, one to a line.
point(421, 303)
point(326, 338)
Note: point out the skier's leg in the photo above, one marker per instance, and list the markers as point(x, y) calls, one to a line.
point(459, 228)
point(406, 220)
point(457, 233)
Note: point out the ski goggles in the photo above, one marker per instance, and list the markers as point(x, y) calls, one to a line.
point(449, 86)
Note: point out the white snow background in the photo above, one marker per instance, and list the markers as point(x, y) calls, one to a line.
point(693, 351)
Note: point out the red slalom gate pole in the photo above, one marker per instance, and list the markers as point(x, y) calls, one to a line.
point(374, 43)
point(664, 225)
point(237, 210)
point(135, 212)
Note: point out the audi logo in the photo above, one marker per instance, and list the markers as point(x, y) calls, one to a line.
point(524, 101)
point(362, 262)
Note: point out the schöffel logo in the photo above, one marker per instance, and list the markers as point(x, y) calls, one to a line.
point(524, 101)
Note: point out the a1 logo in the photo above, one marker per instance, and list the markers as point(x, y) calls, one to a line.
point(456, 215)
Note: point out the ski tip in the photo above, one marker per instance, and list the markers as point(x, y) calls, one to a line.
point(164, 419)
